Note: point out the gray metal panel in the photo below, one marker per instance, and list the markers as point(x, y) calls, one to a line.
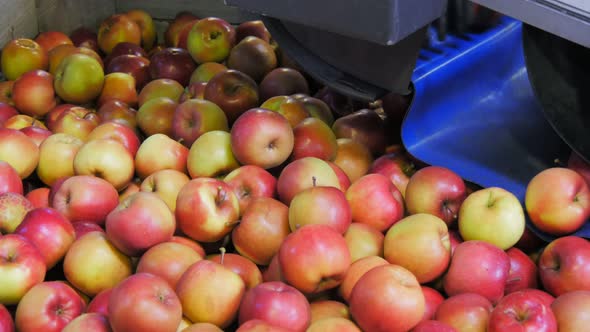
point(569, 19)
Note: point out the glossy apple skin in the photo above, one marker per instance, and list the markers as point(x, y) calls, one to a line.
point(299, 175)
point(37, 134)
point(118, 132)
point(194, 117)
point(433, 299)
point(465, 312)
point(376, 300)
point(562, 210)
point(211, 39)
point(252, 28)
point(100, 303)
point(322, 206)
point(356, 270)
point(233, 91)
point(253, 56)
point(424, 238)
point(570, 311)
point(396, 167)
point(168, 260)
point(314, 258)
point(365, 126)
point(115, 29)
point(313, 138)
point(79, 79)
point(282, 81)
point(210, 201)
point(21, 121)
point(250, 182)
point(563, 265)
point(363, 240)
point(245, 268)
point(77, 121)
point(125, 48)
point(289, 107)
point(33, 93)
point(82, 227)
point(134, 65)
point(94, 264)
point(436, 190)
point(343, 179)
point(48, 306)
point(39, 197)
point(19, 150)
point(263, 227)
point(21, 55)
point(523, 272)
point(141, 211)
point(144, 302)
point(10, 181)
point(375, 201)
point(334, 324)
point(48, 230)
point(278, 304)
point(50, 39)
point(88, 322)
point(478, 267)
point(159, 152)
point(119, 86)
point(353, 158)
point(172, 63)
point(119, 112)
point(508, 315)
point(206, 285)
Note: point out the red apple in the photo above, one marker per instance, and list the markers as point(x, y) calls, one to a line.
point(278, 304)
point(354, 158)
point(343, 179)
point(159, 152)
point(314, 258)
point(571, 311)
point(299, 175)
point(211, 39)
point(162, 87)
point(119, 112)
point(194, 117)
point(233, 91)
point(288, 107)
point(119, 86)
point(314, 138)
point(20, 55)
point(88, 322)
point(189, 243)
point(563, 265)
point(6, 111)
point(241, 265)
point(173, 63)
point(10, 181)
point(433, 299)
point(252, 28)
point(259, 325)
point(144, 302)
point(39, 197)
point(85, 198)
point(263, 227)
point(13, 209)
point(81, 228)
point(6, 320)
point(397, 167)
point(146, 25)
point(465, 312)
point(520, 311)
point(261, 137)
point(375, 201)
point(523, 272)
point(562, 210)
point(115, 29)
point(19, 150)
point(478, 267)
point(37, 134)
point(33, 93)
point(76, 121)
point(282, 81)
point(50, 39)
point(321, 205)
point(21, 268)
point(433, 326)
point(134, 65)
point(100, 303)
point(118, 132)
point(249, 182)
point(387, 298)
point(193, 91)
point(84, 37)
point(253, 56)
point(171, 34)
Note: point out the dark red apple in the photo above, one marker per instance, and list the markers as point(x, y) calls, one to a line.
point(282, 81)
point(134, 65)
point(173, 63)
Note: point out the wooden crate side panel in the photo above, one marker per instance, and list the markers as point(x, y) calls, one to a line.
point(67, 15)
point(18, 19)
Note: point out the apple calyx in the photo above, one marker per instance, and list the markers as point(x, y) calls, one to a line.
point(314, 181)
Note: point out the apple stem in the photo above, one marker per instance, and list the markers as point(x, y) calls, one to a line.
point(558, 162)
point(490, 200)
point(313, 180)
point(222, 249)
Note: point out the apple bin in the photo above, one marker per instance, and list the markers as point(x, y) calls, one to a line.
point(168, 166)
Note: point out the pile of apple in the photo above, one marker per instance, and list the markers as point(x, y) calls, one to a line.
point(201, 184)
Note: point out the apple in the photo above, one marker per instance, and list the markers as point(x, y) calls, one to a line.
point(79, 79)
point(6, 111)
point(282, 81)
point(570, 310)
point(339, 103)
point(57, 55)
point(210, 292)
point(146, 25)
point(343, 179)
point(166, 184)
point(320, 205)
point(141, 211)
point(13, 209)
point(259, 325)
point(314, 258)
point(387, 298)
point(100, 303)
point(245, 268)
point(433, 299)
point(194, 117)
point(56, 157)
point(117, 132)
point(523, 272)
point(6, 95)
point(374, 200)
point(84, 198)
point(155, 116)
point(313, 138)
point(93, 264)
point(172, 32)
point(363, 240)
point(289, 107)
point(278, 304)
point(6, 320)
point(158, 152)
point(323, 309)
point(261, 231)
point(366, 126)
point(252, 28)
point(211, 39)
point(10, 181)
point(82, 227)
point(202, 327)
point(316, 108)
point(119, 86)
point(84, 37)
point(21, 268)
point(421, 244)
point(563, 267)
point(477, 267)
point(356, 270)
point(51, 117)
point(253, 56)
point(299, 175)
point(33, 93)
point(576, 163)
point(183, 34)
point(39, 197)
point(88, 322)
point(20, 55)
point(50, 39)
point(189, 243)
point(162, 87)
point(519, 311)
point(19, 150)
point(262, 137)
point(465, 312)
point(397, 167)
point(272, 272)
point(37, 134)
point(168, 260)
point(205, 71)
point(48, 306)
point(562, 210)
point(493, 215)
point(77, 121)
point(21, 121)
point(172, 63)
point(119, 112)
point(433, 326)
point(334, 324)
point(210, 201)
point(233, 91)
point(49, 231)
point(194, 91)
point(353, 158)
point(211, 155)
point(134, 65)
point(144, 302)
point(115, 29)
point(249, 182)
point(529, 241)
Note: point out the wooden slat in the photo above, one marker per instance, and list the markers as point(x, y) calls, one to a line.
point(17, 19)
point(67, 15)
